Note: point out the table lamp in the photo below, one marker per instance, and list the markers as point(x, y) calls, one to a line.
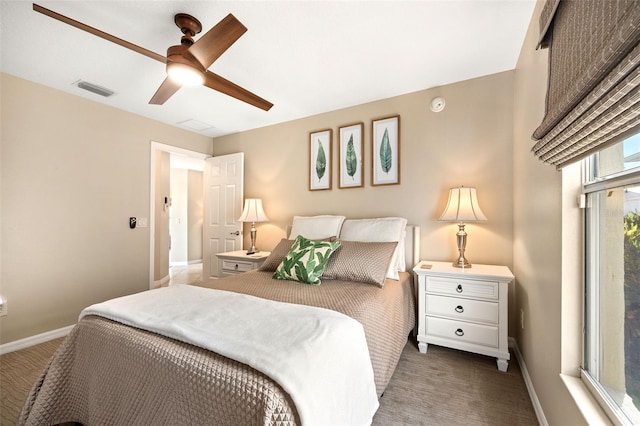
point(253, 213)
point(462, 207)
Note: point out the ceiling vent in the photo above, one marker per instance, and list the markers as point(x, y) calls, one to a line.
point(94, 88)
point(196, 125)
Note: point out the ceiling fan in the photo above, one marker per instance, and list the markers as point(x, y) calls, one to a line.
point(187, 62)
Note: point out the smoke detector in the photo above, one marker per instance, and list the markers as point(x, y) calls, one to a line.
point(437, 104)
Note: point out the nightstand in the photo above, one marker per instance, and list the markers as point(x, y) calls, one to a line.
point(236, 262)
point(464, 309)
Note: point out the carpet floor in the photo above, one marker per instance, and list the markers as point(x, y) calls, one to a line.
point(443, 387)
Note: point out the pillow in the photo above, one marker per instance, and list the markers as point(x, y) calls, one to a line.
point(272, 261)
point(384, 229)
point(365, 262)
point(316, 227)
point(306, 260)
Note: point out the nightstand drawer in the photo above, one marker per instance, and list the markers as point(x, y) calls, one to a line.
point(467, 332)
point(236, 266)
point(463, 287)
point(464, 309)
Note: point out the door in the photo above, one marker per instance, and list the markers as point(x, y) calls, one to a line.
point(223, 194)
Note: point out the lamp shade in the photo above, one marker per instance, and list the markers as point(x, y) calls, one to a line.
point(462, 206)
point(253, 211)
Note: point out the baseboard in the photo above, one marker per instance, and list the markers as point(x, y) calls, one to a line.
point(34, 340)
point(162, 282)
point(527, 380)
point(193, 262)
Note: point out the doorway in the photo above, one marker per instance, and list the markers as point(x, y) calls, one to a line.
point(185, 219)
point(160, 207)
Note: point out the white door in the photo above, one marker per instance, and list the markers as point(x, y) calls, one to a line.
point(223, 194)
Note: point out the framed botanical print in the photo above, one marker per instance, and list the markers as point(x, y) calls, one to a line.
point(385, 151)
point(320, 159)
point(351, 154)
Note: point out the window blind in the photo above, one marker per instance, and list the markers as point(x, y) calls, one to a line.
point(593, 94)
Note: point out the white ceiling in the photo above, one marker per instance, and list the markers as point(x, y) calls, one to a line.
point(306, 57)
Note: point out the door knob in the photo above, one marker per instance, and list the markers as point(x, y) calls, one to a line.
point(235, 233)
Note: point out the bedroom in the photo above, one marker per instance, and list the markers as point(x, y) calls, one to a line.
point(75, 234)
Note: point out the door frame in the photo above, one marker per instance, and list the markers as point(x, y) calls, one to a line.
point(155, 148)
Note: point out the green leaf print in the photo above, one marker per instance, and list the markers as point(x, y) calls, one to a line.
point(385, 152)
point(306, 260)
point(351, 159)
point(321, 161)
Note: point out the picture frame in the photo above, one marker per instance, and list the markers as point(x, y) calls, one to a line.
point(385, 151)
point(320, 159)
point(351, 156)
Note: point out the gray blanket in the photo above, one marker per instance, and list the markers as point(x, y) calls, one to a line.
point(106, 373)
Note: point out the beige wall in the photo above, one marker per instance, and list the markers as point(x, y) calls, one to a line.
point(73, 172)
point(537, 240)
point(179, 216)
point(469, 143)
point(195, 219)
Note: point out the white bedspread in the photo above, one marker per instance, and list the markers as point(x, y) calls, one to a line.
point(318, 356)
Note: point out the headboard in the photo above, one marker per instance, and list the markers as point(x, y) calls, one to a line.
point(411, 245)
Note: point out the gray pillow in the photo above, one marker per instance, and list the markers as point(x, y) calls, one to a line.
point(359, 261)
point(277, 254)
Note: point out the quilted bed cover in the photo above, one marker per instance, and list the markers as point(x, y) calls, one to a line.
point(107, 373)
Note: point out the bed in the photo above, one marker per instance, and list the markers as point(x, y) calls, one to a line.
point(113, 372)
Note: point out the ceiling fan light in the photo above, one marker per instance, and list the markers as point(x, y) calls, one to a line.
point(184, 74)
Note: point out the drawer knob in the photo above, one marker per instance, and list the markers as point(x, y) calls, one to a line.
point(459, 309)
point(459, 288)
point(459, 332)
point(236, 266)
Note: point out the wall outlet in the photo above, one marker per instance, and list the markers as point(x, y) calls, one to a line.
point(4, 310)
point(522, 318)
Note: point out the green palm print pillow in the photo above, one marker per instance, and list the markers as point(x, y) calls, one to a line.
point(306, 260)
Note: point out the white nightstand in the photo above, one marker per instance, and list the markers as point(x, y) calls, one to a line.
point(236, 262)
point(464, 309)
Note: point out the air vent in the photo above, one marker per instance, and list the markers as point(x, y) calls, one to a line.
point(94, 88)
point(196, 125)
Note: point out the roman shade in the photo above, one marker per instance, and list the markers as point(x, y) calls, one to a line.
point(593, 94)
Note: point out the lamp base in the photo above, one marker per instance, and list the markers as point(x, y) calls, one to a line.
point(253, 232)
point(461, 263)
point(461, 237)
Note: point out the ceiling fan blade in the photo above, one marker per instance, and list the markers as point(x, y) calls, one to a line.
point(222, 85)
point(99, 33)
point(165, 91)
point(217, 40)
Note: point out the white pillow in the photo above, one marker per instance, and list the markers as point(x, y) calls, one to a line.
point(383, 229)
point(316, 227)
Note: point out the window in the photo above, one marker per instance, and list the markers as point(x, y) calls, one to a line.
point(612, 299)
